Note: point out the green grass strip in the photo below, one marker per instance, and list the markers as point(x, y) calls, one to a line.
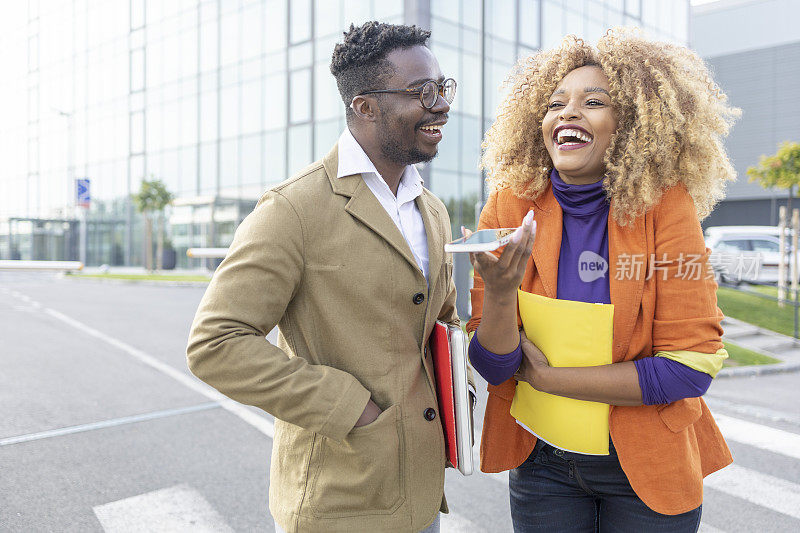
point(739, 356)
point(756, 310)
point(146, 277)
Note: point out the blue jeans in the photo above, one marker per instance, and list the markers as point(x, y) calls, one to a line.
point(555, 490)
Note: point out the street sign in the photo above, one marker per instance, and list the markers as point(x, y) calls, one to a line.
point(82, 195)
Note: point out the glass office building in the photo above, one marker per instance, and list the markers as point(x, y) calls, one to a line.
point(222, 98)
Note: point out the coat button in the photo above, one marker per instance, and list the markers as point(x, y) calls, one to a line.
point(430, 414)
point(418, 298)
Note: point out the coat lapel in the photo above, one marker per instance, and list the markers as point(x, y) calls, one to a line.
point(435, 237)
point(365, 207)
point(547, 246)
point(627, 253)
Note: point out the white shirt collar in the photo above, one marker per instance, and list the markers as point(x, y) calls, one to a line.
point(354, 160)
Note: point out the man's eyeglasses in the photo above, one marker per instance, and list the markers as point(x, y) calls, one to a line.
point(428, 92)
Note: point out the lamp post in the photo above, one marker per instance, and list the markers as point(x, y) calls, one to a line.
point(72, 201)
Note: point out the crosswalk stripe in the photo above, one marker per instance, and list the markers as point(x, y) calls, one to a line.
point(761, 489)
point(259, 422)
point(760, 436)
point(178, 509)
point(455, 523)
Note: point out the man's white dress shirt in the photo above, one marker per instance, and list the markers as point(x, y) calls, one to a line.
point(401, 208)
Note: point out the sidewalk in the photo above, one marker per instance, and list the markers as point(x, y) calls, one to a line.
point(764, 341)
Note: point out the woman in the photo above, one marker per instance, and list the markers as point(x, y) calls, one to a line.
point(617, 153)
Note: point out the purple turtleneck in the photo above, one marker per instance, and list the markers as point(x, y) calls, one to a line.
point(583, 276)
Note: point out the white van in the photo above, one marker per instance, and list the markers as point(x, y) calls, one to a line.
point(747, 253)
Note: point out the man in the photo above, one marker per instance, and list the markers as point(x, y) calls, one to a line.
point(347, 259)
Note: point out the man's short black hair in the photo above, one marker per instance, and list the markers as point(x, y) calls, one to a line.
point(359, 63)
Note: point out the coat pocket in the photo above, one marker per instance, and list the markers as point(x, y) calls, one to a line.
point(677, 416)
point(362, 474)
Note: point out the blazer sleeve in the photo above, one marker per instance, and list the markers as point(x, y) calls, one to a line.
point(686, 313)
point(487, 220)
point(246, 298)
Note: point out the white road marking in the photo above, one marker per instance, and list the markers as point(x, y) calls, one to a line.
point(761, 489)
point(263, 424)
point(760, 436)
point(178, 509)
point(107, 423)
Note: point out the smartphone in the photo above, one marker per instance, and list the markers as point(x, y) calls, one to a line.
point(485, 240)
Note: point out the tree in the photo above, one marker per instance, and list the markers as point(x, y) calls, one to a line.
point(151, 199)
point(781, 170)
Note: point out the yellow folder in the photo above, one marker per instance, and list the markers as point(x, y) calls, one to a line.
point(570, 334)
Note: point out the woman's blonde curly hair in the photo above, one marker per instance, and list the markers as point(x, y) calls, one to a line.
point(672, 117)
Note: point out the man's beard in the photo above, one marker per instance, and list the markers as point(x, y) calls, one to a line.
point(392, 148)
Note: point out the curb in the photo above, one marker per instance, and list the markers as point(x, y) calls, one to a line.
point(150, 282)
point(758, 370)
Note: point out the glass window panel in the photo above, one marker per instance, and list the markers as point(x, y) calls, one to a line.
point(229, 111)
point(529, 23)
point(448, 155)
point(209, 45)
point(137, 14)
point(470, 40)
point(251, 70)
point(187, 180)
point(137, 70)
point(229, 43)
point(252, 33)
point(275, 32)
point(137, 132)
point(356, 12)
point(155, 64)
point(275, 102)
point(208, 168)
point(501, 17)
point(446, 9)
point(299, 148)
point(633, 7)
point(327, 17)
point(573, 23)
point(208, 117)
point(471, 137)
point(327, 100)
point(229, 164)
point(300, 96)
point(171, 118)
point(325, 136)
point(172, 59)
point(650, 12)
point(154, 124)
point(471, 13)
point(275, 156)
point(137, 170)
point(383, 10)
point(188, 53)
point(275, 62)
point(468, 92)
point(300, 56)
point(444, 184)
point(230, 75)
point(251, 160)
point(252, 107)
point(551, 24)
point(300, 20)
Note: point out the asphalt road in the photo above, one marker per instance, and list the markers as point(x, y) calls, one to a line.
point(104, 428)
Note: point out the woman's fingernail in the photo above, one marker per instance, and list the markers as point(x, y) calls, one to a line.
point(463, 231)
point(517, 236)
point(529, 217)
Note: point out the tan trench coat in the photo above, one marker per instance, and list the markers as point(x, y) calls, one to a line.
point(321, 258)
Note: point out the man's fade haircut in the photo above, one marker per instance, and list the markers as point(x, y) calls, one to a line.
point(359, 62)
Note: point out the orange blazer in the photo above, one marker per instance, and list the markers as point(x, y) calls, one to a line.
point(660, 303)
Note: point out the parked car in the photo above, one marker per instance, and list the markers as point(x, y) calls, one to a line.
point(747, 253)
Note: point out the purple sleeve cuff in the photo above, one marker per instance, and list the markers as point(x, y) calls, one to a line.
point(663, 380)
point(493, 367)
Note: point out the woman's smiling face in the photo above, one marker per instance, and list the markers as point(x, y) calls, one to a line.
point(578, 126)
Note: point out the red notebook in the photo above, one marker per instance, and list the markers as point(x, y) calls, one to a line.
point(443, 368)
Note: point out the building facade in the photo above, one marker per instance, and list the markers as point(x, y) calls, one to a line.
point(753, 50)
point(222, 98)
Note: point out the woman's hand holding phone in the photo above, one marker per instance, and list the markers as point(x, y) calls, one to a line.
point(503, 275)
